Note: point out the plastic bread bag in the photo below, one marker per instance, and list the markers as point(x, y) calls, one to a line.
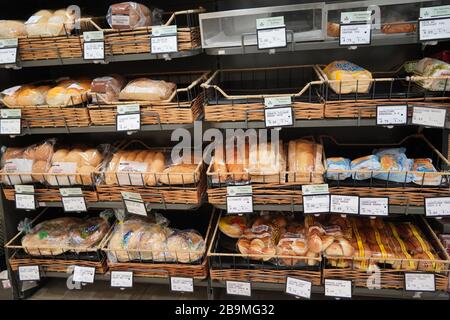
point(292, 243)
point(361, 249)
point(258, 242)
point(426, 176)
point(125, 239)
point(305, 160)
point(69, 92)
point(428, 67)
point(153, 243)
point(128, 15)
point(10, 95)
point(406, 260)
point(81, 163)
point(270, 164)
point(347, 77)
point(106, 89)
point(186, 246)
point(49, 238)
point(90, 232)
point(338, 163)
point(394, 159)
point(182, 172)
point(367, 163)
point(339, 249)
point(144, 89)
point(50, 23)
point(413, 238)
point(233, 225)
point(12, 29)
point(34, 159)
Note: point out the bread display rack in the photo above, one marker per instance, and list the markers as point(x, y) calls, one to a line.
point(184, 106)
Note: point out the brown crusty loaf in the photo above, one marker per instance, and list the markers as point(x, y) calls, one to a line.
point(106, 89)
point(305, 161)
point(143, 89)
point(398, 27)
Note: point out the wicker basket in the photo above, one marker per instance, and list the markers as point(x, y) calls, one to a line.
point(226, 265)
point(85, 257)
point(196, 270)
point(184, 106)
point(384, 89)
point(238, 94)
point(50, 195)
point(392, 278)
point(399, 193)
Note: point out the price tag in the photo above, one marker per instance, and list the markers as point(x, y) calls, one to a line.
point(278, 117)
point(271, 33)
point(309, 189)
point(344, 204)
point(239, 190)
point(83, 274)
point(24, 196)
point(239, 288)
point(128, 118)
point(429, 117)
point(338, 288)
point(8, 51)
point(316, 203)
point(392, 115)
point(181, 284)
point(277, 101)
point(374, 206)
point(164, 39)
point(240, 204)
point(355, 34)
point(10, 122)
point(29, 273)
point(416, 281)
point(73, 200)
point(121, 279)
point(133, 203)
point(298, 288)
point(434, 23)
point(94, 45)
point(437, 207)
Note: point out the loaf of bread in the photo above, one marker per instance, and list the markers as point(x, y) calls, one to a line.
point(50, 23)
point(346, 77)
point(305, 161)
point(68, 93)
point(136, 167)
point(398, 27)
point(126, 236)
point(12, 29)
point(88, 233)
point(180, 174)
point(186, 246)
point(128, 15)
point(153, 243)
point(144, 89)
point(10, 95)
point(333, 29)
point(106, 89)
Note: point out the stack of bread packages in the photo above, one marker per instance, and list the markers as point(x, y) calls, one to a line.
point(81, 163)
point(62, 93)
point(305, 162)
point(143, 167)
point(57, 236)
point(345, 77)
point(130, 15)
point(149, 239)
point(255, 162)
point(26, 165)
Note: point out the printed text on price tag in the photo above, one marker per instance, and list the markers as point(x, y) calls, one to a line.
point(392, 115)
point(239, 288)
point(437, 207)
point(121, 279)
point(29, 273)
point(416, 281)
point(181, 284)
point(298, 287)
point(83, 274)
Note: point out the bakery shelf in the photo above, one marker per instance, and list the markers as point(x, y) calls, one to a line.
point(120, 205)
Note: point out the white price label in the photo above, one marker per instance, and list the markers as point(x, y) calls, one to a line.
point(67, 192)
point(239, 204)
point(433, 12)
point(29, 273)
point(121, 279)
point(135, 207)
point(11, 126)
point(338, 288)
point(271, 38)
point(239, 288)
point(420, 282)
point(373, 206)
point(278, 117)
point(437, 207)
point(128, 122)
point(239, 190)
point(271, 102)
point(392, 115)
point(309, 189)
point(74, 204)
point(94, 50)
point(93, 36)
point(316, 203)
point(298, 288)
point(8, 55)
point(83, 274)
point(166, 44)
point(429, 117)
point(434, 29)
point(344, 204)
point(11, 113)
point(21, 188)
point(355, 34)
point(25, 201)
point(181, 284)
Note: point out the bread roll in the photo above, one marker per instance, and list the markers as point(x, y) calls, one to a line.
point(144, 89)
point(333, 29)
point(233, 226)
point(347, 77)
point(32, 96)
point(74, 156)
point(141, 155)
point(12, 29)
point(398, 27)
point(128, 15)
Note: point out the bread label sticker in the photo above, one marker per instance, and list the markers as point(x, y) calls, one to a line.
point(392, 115)
point(239, 288)
point(344, 204)
point(129, 178)
point(4, 43)
point(11, 113)
point(434, 12)
point(420, 282)
point(434, 29)
point(316, 204)
point(181, 284)
point(128, 108)
point(29, 273)
point(128, 122)
point(11, 126)
point(355, 16)
point(11, 91)
point(167, 44)
point(239, 190)
point(25, 201)
point(74, 204)
point(298, 287)
point(240, 204)
point(161, 31)
point(268, 23)
point(429, 117)
point(120, 20)
point(338, 288)
point(271, 102)
point(314, 189)
point(93, 36)
point(437, 207)
point(33, 19)
point(58, 168)
point(374, 206)
point(271, 38)
point(121, 279)
point(278, 117)
point(83, 274)
point(70, 192)
point(18, 166)
point(20, 188)
point(355, 34)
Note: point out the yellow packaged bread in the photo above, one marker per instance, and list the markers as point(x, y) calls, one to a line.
point(347, 77)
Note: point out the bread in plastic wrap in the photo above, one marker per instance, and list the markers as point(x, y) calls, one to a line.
point(12, 29)
point(106, 89)
point(128, 15)
point(394, 159)
point(233, 225)
point(50, 23)
point(369, 163)
point(144, 89)
point(292, 243)
point(424, 173)
point(32, 96)
point(429, 67)
point(305, 161)
point(124, 243)
point(153, 243)
point(336, 164)
point(88, 233)
point(68, 92)
point(347, 77)
point(186, 246)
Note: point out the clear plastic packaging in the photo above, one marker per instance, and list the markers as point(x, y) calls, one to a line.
point(88, 233)
point(394, 160)
point(106, 89)
point(259, 242)
point(12, 29)
point(305, 158)
point(347, 77)
point(144, 89)
point(186, 246)
point(428, 67)
point(425, 177)
point(370, 163)
point(153, 243)
point(34, 159)
point(50, 23)
point(338, 163)
point(128, 15)
point(292, 243)
point(232, 225)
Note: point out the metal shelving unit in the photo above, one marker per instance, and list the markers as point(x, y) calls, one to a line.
point(120, 205)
